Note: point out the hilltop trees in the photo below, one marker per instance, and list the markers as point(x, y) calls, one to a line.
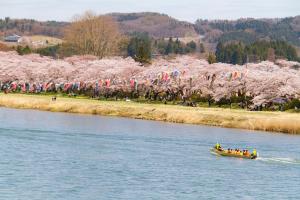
point(231, 53)
point(141, 47)
point(31, 27)
point(250, 30)
point(239, 53)
point(171, 46)
point(95, 35)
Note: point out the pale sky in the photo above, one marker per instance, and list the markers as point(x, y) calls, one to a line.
point(188, 10)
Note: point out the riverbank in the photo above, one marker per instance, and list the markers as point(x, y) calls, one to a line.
point(229, 118)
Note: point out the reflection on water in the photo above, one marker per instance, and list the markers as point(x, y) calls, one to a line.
point(63, 156)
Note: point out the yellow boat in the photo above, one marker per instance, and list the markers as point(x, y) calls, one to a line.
point(228, 154)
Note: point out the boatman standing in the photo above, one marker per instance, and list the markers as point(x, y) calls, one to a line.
point(218, 146)
point(254, 153)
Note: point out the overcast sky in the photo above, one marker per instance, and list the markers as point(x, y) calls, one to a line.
point(188, 10)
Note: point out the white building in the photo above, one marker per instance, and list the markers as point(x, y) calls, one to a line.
point(12, 38)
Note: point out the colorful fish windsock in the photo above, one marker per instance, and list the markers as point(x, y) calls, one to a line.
point(132, 83)
point(107, 82)
point(14, 86)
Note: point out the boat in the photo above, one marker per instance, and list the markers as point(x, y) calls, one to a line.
point(222, 152)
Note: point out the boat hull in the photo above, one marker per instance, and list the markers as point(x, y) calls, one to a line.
point(224, 153)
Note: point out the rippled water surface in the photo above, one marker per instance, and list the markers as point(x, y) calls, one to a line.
point(64, 156)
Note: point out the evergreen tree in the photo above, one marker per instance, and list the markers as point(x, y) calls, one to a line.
point(220, 54)
point(191, 47)
point(238, 53)
point(177, 47)
point(169, 48)
point(139, 47)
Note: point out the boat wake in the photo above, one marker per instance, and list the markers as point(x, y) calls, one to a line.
point(280, 160)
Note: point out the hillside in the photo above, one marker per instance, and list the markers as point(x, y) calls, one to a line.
point(157, 25)
point(30, 27)
point(164, 26)
point(250, 30)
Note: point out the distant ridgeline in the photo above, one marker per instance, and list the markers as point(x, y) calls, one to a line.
point(151, 34)
point(31, 27)
point(239, 53)
point(162, 26)
point(250, 30)
point(155, 24)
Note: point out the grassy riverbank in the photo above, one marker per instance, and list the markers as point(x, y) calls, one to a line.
point(231, 118)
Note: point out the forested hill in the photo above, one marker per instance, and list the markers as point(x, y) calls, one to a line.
point(164, 26)
point(250, 30)
point(157, 25)
point(31, 27)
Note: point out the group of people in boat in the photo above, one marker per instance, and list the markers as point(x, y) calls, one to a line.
point(236, 151)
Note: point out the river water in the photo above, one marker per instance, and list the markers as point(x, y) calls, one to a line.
point(66, 156)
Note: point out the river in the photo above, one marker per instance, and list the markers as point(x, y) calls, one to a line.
point(54, 156)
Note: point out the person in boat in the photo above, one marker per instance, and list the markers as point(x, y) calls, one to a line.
point(218, 147)
point(241, 153)
point(254, 153)
point(247, 153)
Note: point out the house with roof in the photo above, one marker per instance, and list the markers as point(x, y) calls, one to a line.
point(12, 38)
